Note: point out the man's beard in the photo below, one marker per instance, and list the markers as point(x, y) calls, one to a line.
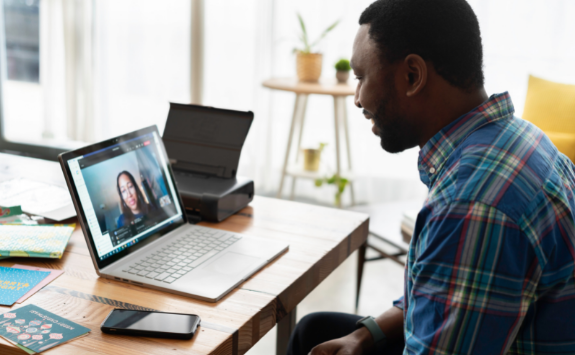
point(394, 131)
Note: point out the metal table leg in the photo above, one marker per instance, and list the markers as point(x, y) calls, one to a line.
point(285, 328)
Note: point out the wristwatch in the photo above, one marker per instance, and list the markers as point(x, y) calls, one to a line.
point(379, 338)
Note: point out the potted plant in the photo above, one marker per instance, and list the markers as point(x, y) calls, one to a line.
point(308, 63)
point(336, 180)
point(342, 68)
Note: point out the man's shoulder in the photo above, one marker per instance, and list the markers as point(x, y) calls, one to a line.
point(505, 165)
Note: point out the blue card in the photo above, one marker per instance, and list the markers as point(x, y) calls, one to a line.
point(37, 329)
point(14, 283)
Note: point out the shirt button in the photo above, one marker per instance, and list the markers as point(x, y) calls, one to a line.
point(432, 171)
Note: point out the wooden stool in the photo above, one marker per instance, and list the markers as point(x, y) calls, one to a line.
point(302, 91)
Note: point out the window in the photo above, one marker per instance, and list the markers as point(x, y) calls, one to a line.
point(76, 72)
point(22, 30)
point(20, 88)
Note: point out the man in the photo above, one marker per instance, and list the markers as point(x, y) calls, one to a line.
point(490, 268)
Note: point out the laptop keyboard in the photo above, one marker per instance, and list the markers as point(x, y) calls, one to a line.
point(183, 255)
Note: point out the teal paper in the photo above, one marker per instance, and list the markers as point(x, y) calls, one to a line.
point(37, 329)
point(14, 283)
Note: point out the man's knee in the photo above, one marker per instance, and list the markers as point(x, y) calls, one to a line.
point(312, 321)
point(316, 328)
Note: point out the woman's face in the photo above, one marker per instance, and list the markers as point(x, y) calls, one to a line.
point(128, 191)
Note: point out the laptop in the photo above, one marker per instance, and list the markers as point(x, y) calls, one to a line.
point(136, 228)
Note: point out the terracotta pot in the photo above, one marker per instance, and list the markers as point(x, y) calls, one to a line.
point(342, 76)
point(308, 66)
point(311, 158)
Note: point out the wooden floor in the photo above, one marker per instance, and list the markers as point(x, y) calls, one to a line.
point(382, 283)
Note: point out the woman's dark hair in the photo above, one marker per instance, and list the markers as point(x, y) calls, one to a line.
point(142, 206)
point(443, 32)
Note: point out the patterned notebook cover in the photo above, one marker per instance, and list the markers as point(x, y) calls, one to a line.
point(37, 329)
point(15, 283)
point(41, 241)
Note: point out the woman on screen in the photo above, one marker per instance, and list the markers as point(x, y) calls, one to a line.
point(133, 204)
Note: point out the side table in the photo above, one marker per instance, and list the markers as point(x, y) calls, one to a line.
point(339, 91)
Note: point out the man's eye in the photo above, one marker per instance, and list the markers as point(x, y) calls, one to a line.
point(358, 77)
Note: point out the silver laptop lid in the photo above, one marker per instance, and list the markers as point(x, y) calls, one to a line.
point(124, 193)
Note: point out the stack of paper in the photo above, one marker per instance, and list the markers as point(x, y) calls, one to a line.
point(34, 329)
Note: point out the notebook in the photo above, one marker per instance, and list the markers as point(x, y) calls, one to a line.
point(40, 241)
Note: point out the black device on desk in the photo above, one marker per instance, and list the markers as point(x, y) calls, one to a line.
point(151, 324)
point(204, 145)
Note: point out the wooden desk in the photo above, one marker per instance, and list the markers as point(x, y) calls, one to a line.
point(339, 91)
point(320, 239)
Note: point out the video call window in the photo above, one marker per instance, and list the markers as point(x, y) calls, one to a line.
point(128, 190)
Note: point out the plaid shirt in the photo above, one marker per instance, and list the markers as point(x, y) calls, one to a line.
point(490, 268)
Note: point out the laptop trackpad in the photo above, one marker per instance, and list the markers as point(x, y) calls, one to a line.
point(231, 263)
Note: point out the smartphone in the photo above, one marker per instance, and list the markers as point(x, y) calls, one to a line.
point(151, 324)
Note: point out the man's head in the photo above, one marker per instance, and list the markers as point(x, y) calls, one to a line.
point(410, 57)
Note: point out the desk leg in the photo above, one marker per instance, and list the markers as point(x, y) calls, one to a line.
point(295, 116)
point(285, 328)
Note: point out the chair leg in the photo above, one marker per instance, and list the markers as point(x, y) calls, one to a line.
point(360, 263)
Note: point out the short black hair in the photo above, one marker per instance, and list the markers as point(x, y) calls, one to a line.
point(443, 32)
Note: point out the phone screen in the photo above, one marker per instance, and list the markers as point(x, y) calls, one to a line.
point(152, 321)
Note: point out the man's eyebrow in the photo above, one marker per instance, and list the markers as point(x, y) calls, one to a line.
point(351, 64)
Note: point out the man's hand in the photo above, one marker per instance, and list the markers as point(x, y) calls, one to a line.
point(390, 322)
point(348, 345)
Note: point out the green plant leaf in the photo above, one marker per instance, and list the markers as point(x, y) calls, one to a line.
point(304, 37)
point(327, 30)
point(339, 181)
point(343, 65)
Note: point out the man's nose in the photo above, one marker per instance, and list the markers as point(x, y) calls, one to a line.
point(356, 98)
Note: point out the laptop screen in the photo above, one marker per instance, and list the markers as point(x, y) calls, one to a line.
point(125, 192)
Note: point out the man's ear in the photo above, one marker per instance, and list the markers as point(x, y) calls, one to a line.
point(415, 75)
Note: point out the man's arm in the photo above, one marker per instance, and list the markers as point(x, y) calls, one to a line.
point(471, 281)
point(390, 322)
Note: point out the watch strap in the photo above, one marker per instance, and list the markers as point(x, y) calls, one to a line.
point(379, 338)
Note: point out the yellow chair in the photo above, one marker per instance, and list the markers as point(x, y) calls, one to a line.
point(551, 107)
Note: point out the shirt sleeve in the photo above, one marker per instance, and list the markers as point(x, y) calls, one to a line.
point(473, 278)
point(399, 303)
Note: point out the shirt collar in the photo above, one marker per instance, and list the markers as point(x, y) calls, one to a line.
point(437, 150)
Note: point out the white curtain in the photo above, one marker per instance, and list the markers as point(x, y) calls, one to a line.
point(66, 70)
point(141, 63)
point(52, 67)
point(106, 68)
point(252, 40)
